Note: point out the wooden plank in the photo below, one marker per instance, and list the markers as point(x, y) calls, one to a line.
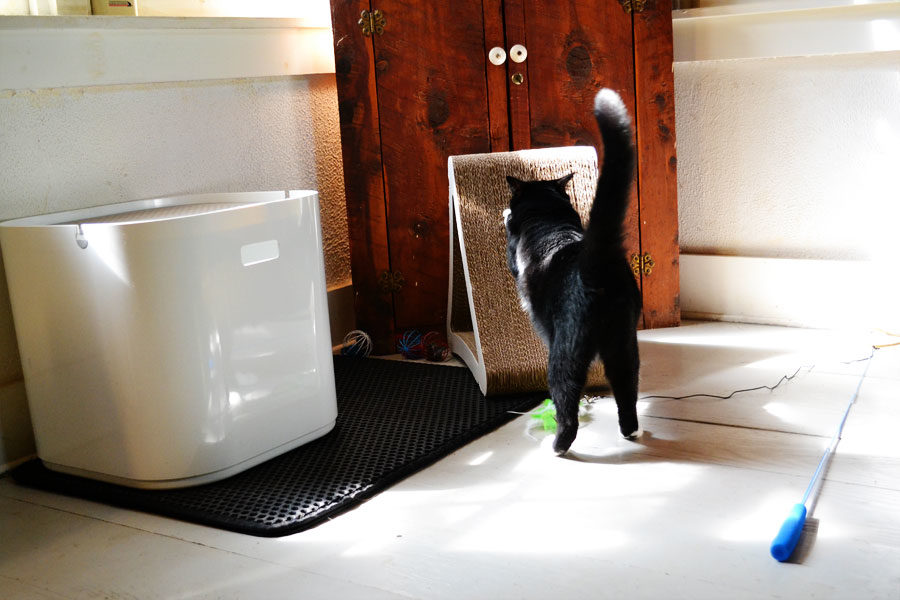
point(657, 166)
point(432, 102)
point(498, 100)
point(519, 119)
point(361, 153)
point(576, 48)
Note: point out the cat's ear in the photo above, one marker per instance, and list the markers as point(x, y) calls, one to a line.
point(514, 184)
point(562, 182)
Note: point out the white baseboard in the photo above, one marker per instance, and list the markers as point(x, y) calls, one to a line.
point(16, 437)
point(792, 292)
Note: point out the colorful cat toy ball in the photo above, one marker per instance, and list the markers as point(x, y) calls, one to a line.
point(410, 345)
point(357, 343)
point(436, 349)
point(413, 346)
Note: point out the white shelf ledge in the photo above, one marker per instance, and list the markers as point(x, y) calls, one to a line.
point(705, 34)
point(52, 52)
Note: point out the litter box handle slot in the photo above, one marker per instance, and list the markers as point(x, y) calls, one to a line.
point(259, 252)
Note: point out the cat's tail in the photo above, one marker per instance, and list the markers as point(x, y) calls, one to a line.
point(604, 235)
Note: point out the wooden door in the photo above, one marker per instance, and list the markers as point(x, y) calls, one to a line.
point(354, 65)
point(409, 98)
point(432, 103)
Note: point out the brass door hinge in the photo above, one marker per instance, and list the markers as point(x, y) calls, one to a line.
point(391, 281)
point(642, 264)
point(633, 6)
point(371, 22)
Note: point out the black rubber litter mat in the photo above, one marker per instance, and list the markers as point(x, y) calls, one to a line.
point(394, 418)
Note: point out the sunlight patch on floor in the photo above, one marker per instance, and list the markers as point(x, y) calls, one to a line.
point(481, 458)
point(534, 528)
point(763, 521)
point(785, 412)
point(879, 442)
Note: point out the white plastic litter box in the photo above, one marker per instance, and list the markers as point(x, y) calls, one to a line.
point(175, 341)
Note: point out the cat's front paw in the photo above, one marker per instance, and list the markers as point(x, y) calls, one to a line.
point(507, 213)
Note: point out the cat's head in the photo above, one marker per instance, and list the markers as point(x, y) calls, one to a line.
point(525, 192)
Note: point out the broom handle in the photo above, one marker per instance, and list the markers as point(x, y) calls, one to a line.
point(784, 543)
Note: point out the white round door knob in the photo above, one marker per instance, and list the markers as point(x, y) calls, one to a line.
point(518, 53)
point(497, 55)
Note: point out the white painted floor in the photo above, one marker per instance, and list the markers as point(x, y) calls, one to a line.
point(688, 511)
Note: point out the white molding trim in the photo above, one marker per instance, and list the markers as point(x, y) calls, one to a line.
point(53, 52)
point(700, 34)
point(341, 314)
point(16, 437)
point(783, 291)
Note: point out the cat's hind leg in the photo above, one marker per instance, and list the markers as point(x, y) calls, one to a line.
point(622, 364)
point(566, 375)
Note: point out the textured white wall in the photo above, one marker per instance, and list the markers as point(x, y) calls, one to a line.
point(70, 148)
point(790, 157)
point(78, 147)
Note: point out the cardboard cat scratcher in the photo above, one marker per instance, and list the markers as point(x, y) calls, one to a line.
point(486, 326)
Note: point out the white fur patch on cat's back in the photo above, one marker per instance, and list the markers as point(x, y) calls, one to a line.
point(522, 263)
point(525, 304)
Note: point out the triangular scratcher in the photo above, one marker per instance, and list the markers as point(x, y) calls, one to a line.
point(486, 327)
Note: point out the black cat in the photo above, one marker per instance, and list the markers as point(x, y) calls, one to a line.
point(576, 284)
